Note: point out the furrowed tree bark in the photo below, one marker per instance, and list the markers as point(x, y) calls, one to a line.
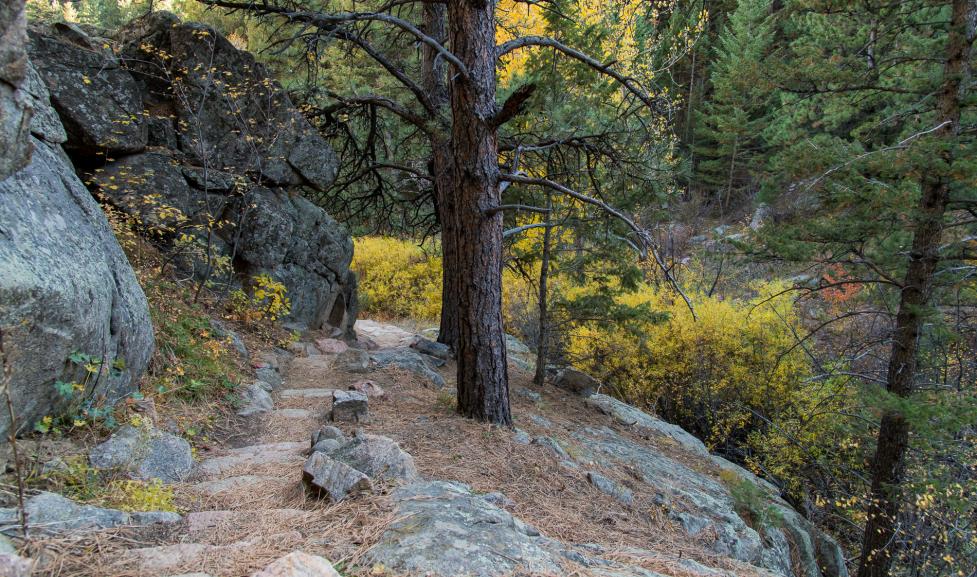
point(435, 82)
point(893, 442)
point(483, 388)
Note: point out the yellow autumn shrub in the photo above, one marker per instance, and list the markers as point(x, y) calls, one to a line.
point(397, 278)
point(718, 375)
point(400, 280)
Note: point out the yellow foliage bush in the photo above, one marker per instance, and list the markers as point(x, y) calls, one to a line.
point(397, 278)
point(400, 280)
point(711, 375)
point(131, 495)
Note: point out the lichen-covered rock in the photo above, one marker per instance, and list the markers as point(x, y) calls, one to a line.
point(15, 110)
point(59, 258)
point(350, 406)
point(378, 457)
point(256, 399)
point(443, 529)
point(695, 500)
point(145, 453)
point(645, 423)
point(577, 382)
point(610, 487)
point(97, 99)
point(326, 477)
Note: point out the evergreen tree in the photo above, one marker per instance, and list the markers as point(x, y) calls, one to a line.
point(730, 124)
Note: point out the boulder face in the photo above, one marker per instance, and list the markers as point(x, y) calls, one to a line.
point(15, 112)
point(65, 287)
point(224, 102)
point(179, 129)
point(97, 99)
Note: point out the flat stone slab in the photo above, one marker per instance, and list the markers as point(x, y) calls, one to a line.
point(252, 456)
point(643, 422)
point(306, 393)
point(385, 336)
point(219, 486)
point(443, 529)
point(292, 413)
point(207, 520)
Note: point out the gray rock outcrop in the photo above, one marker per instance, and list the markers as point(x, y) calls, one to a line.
point(214, 161)
point(15, 110)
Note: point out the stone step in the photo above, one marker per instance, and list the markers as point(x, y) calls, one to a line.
point(168, 559)
point(306, 393)
point(292, 414)
point(199, 521)
point(219, 487)
point(251, 457)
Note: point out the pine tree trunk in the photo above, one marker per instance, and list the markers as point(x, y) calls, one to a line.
point(543, 305)
point(893, 442)
point(483, 388)
point(434, 72)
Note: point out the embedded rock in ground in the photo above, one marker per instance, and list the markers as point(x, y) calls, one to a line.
point(352, 361)
point(408, 360)
point(52, 513)
point(378, 457)
point(432, 348)
point(645, 423)
point(97, 99)
point(58, 256)
point(703, 507)
point(577, 382)
point(325, 477)
point(610, 487)
point(256, 400)
point(349, 406)
point(528, 394)
point(299, 564)
point(368, 388)
point(15, 108)
point(519, 354)
point(327, 439)
point(442, 529)
point(222, 331)
point(145, 453)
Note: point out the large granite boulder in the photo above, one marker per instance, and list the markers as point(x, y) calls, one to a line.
point(213, 159)
point(225, 102)
point(15, 112)
point(65, 287)
point(97, 99)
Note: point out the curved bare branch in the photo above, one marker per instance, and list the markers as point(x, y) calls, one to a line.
point(606, 69)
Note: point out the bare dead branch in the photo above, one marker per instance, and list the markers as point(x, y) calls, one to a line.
point(331, 20)
point(514, 105)
point(604, 68)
